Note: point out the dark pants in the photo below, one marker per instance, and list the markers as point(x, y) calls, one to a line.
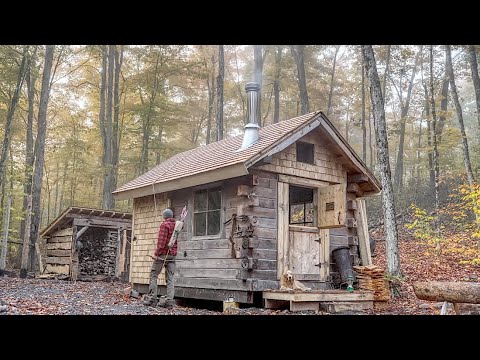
point(169, 272)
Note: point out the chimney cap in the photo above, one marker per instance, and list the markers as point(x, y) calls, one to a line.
point(252, 86)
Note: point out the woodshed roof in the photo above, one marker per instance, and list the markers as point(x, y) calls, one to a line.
point(67, 216)
point(222, 159)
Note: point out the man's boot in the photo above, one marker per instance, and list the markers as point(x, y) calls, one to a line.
point(149, 300)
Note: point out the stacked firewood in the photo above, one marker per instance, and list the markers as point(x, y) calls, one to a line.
point(110, 253)
point(98, 253)
point(372, 278)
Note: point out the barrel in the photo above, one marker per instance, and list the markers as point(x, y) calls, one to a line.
point(341, 256)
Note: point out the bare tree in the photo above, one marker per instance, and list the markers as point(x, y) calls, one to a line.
point(27, 187)
point(40, 153)
point(435, 145)
point(298, 55)
point(475, 78)
point(11, 112)
point(404, 106)
point(393, 259)
point(220, 79)
point(276, 83)
point(332, 80)
point(364, 127)
point(458, 107)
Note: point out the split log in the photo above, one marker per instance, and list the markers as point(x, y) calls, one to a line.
point(454, 292)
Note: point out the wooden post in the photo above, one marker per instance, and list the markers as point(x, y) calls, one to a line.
point(4, 244)
point(26, 239)
point(117, 258)
point(362, 232)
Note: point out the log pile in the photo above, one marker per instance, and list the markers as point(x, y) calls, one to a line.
point(98, 252)
point(372, 278)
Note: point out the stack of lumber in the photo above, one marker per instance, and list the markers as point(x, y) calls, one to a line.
point(372, 278)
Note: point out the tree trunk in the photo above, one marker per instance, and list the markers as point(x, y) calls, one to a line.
point(107, 202)
point(387, 63)
point(458, 107)
point(475, 78)
point(431, 170)
point(442, 116)
point(435, 146)
point(211, 98)
point(364, 127)
point(332, 81)
point(276, 84)
point(116, 115)
point(4, 241)
point(298, 55)
point(398, 179)
point(220, 77)
point(258, 60)
point(451, 291)
point(40, 150)
point(27, 187)
point(393, 259)
point(7, 137)
point(370, 145)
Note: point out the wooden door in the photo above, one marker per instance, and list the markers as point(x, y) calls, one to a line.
point(304, 252)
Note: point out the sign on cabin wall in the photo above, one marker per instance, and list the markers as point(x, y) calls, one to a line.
point(331, 206)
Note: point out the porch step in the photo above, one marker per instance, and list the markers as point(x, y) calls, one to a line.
point(332, 301)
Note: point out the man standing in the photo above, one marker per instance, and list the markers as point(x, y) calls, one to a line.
point(163, 255)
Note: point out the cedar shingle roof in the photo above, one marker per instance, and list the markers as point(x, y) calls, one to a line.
point(223, 154)
point(215, 155)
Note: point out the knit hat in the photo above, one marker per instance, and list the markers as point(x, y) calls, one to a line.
point(167, 213)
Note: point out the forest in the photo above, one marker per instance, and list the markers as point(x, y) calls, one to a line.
point(76, 122)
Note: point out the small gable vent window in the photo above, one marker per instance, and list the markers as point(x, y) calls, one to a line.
point(305, 152)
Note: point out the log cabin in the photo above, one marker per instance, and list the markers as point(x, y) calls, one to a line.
point(278, 198)
point(85, 243)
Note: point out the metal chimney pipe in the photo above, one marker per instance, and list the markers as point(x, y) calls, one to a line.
point(251, 133)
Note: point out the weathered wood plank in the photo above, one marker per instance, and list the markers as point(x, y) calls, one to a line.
point(58, 260)
point(295, 180)
point(61, 253)
point(63, 232)
point(266, 233)
point(331, 206)
point(259, 243)
point(253, 211)
point(210, 263)
point(204, 244)
point(258, 274)
point(57, 269)
point(207, 273)
point(209, 283)
point(263, 264)
point(60, 246)
point(327, 295)
point(362, 233)
point(60, 239)
point(282, 232)
point(208, 254)
point(213, 294)
point(264, 254)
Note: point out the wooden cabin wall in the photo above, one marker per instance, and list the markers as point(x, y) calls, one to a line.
point(145, 225)
point(327, 166)
point(207, 262)
point(58, 252)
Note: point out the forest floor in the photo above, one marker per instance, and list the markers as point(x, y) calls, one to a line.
point(419, 261)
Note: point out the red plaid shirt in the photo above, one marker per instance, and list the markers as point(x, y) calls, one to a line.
point(164, 234)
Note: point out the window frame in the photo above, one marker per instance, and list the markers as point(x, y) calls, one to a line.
point(297, 152)
point(313, 224)
point(210, 187)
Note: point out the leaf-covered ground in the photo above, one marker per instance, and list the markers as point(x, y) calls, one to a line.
point(422, 261)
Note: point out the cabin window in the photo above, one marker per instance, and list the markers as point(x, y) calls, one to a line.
point(305, 152)
point(206, 214)
point(301, 206)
